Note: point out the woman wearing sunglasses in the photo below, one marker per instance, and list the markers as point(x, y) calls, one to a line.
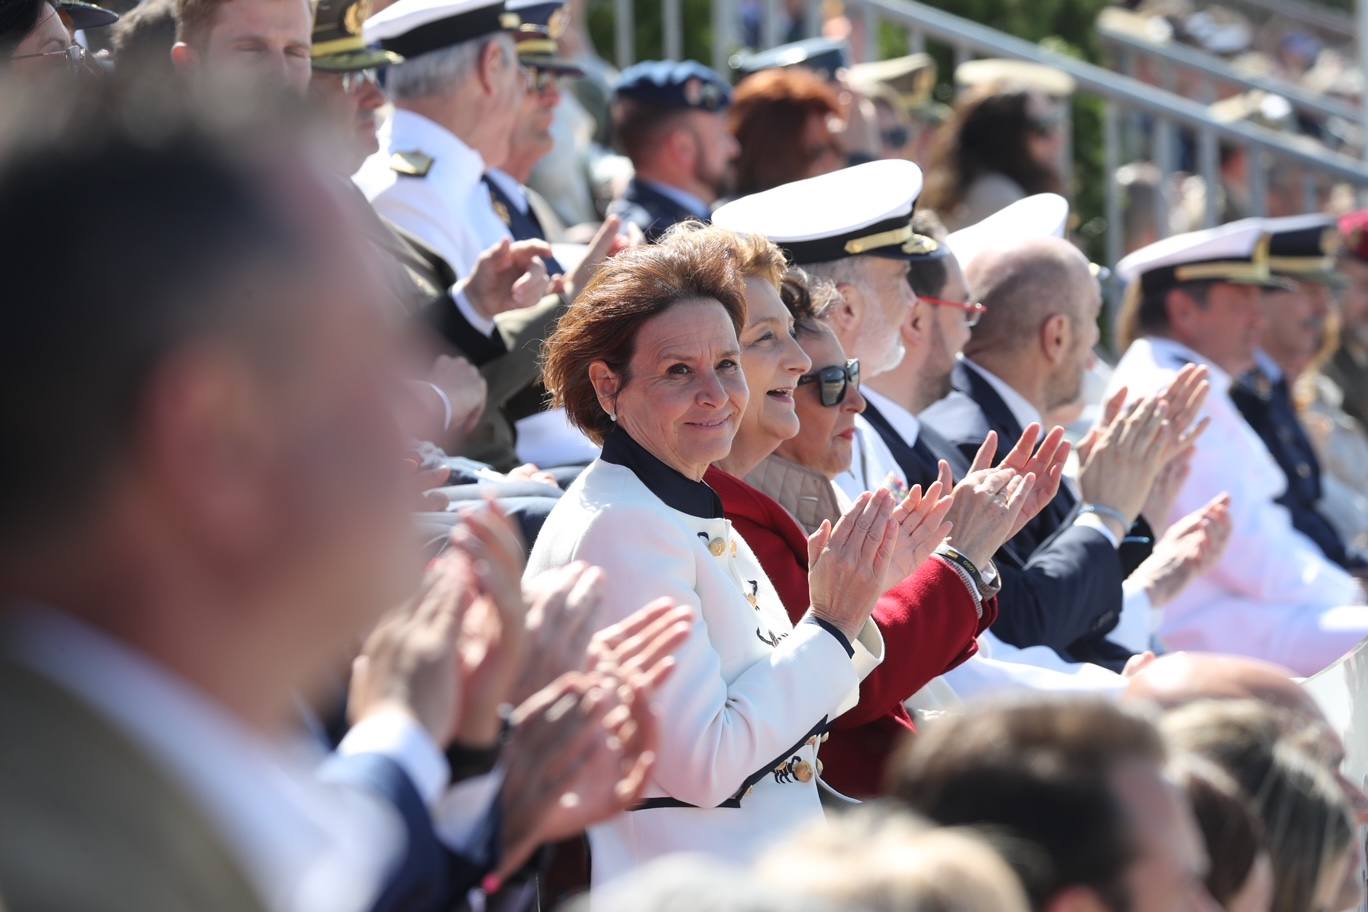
point(647, 362)
point(928, 615)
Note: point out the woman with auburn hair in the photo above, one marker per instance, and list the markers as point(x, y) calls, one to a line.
point(786, 123)
point(927, 614)
point(646, 362)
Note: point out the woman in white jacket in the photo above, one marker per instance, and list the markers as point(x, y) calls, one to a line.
point(646, 361)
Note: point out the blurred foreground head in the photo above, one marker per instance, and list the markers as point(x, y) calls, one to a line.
point(199, 390)
point(1074, 792)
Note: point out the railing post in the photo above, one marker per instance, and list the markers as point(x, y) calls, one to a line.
point(1162, 155)
point(813, 18)
point(1209, 166)
point(673, 28)
point(871, 34)
point(1111, 161)
point(723, 21)
point(624, 37)
point(770, 33)
point(1258, 180)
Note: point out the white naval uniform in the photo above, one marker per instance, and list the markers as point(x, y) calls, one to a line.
point(1273, 595)
point(448, 208)
point(742, 712)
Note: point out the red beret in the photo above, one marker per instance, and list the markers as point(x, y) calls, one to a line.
point(1354, 229)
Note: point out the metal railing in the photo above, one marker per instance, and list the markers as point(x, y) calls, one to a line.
point(1173, 57)
point(1168, 116)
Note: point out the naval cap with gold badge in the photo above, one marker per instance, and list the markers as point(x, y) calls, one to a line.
point(1305, 247)
point(541, 23)
point(338, 44)
point(1236, 252)
point(412, 28)
point(864, 210)
point(1040, 215)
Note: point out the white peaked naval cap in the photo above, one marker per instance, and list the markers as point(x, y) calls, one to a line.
point(1235, 252)
point(1040, 216)
point(864, 209)
point(415, 27)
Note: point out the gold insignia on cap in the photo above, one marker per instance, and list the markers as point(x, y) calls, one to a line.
point(411, 164)
point(355, 15)
point(509, 22)
point(558, 23)
point(920, 245)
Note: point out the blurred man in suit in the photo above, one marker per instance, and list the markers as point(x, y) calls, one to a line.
point(179, 566)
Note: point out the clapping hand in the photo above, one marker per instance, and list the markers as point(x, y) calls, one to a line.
point(608, 242)
point(410, 662)
point(1045, 462)
point(561, 618)
point(493, 637)
point(1190, 547)
point(848, 564)
point(582, 749)
point(987, 504)
point(1118, 465)
point(921, 527)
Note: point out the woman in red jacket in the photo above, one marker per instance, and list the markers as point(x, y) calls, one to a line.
point(930, 614)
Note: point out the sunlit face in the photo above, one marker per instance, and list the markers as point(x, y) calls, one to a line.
point(509, 86)
point(886, 299)
point(1228, 328)
point(261, 41)
point(357, 112)
point(949, 333)
point(715, 151)
point(826, 436)
point(1169, 872)
point(1067, 383)
point(822, 150)
point(684, 392)
point(1294, 322)
point(773, 361)
point(532, 140)
point(48, 38)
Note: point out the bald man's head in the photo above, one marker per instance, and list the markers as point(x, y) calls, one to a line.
point(1183, 677)
point(1022, 285)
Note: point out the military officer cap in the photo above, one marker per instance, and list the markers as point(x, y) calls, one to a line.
point(1014, 74)
point(80, 16)
point(411, 28)
point(862, 210)
point(1236, 252)
point(1353, 229)
point(1304, 247)
point(912, 77)
point(338, 44)
point(669, 84)
point(824, 56)
point(540, 26)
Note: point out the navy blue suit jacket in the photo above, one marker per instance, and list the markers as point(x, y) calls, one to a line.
point(429, 876)
point(650, 210)
point(1267, 406)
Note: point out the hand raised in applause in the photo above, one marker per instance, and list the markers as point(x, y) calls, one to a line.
point(920, 520)
point(848, 564)
point(987, 504)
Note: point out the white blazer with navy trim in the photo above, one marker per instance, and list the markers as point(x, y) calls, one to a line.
point(742, 714)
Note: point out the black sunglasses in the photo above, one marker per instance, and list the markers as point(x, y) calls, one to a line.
point(834, 381)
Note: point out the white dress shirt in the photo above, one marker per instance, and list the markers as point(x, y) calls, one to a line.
point(872, 465)
point(1273, 594)
point(449, 209)
point(306, 847)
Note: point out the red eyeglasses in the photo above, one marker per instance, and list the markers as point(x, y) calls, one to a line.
point(973, 310)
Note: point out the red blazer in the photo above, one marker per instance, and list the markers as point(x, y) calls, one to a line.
point(928, 624)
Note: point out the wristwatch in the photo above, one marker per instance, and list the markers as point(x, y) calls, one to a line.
point(987, 580)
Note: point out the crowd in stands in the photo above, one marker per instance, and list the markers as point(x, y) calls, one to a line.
point(444, 472)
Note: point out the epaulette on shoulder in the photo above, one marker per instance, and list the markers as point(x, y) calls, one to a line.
point(411, 164)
